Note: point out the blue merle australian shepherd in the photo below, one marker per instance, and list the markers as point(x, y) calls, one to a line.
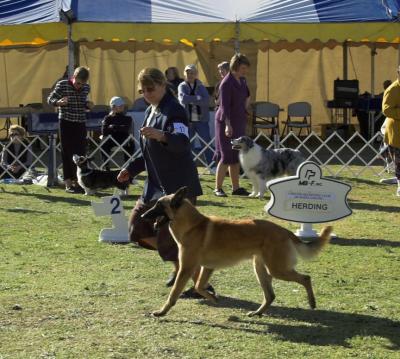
point(261, 165)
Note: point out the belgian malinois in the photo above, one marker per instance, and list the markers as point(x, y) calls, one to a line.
point(212, 243)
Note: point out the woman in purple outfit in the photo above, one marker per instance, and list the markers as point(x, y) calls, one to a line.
point(230, 122)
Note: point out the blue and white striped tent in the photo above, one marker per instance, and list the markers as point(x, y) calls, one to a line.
point(274, 20)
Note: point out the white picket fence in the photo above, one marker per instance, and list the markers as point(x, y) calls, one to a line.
point(354, 156)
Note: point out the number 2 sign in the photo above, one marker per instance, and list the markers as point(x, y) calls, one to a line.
point(112, 206)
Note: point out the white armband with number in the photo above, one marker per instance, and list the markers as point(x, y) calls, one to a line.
point(179, 127)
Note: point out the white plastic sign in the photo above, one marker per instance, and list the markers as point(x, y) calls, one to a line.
point(112, 206)
point(308, 197)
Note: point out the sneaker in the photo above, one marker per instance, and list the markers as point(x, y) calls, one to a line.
point(192, 294)
point(392, 180)
point(398, 192)
point(74, 189)
point(171, 279)
point(220, 193)
point(240, 192)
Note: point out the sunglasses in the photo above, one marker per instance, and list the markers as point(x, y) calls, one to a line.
point(146, 89)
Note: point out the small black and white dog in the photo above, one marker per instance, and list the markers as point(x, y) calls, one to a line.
point(91, 179)
point(261, 165)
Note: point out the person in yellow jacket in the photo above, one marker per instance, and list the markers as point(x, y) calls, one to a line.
point(391, 109)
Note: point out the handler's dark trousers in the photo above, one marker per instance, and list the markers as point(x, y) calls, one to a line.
point(73, 141)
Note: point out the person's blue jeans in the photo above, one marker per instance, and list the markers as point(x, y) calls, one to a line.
point(202, 129)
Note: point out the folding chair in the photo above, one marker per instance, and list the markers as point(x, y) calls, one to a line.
point(300, 111)
point(265, 116)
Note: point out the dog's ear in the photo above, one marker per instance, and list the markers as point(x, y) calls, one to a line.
point(249, 142)
point(178, 197)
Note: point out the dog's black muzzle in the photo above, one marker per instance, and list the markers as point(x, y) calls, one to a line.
point(157, 212)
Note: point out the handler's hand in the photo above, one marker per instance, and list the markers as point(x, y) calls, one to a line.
point(153, 133)
point(123, 176)
point(62, 101)
point(228, 131)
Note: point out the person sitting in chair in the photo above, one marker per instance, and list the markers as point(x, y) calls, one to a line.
point(119, 126)
point(15, 157)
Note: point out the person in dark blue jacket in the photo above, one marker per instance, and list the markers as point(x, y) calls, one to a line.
point(166, 157)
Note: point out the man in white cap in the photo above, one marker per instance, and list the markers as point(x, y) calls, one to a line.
point(119, 126)
point(193, 95)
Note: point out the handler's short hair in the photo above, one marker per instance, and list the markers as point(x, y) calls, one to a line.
point(224, 66)
point(237, 60)
point(150, 77)
point(81, 73)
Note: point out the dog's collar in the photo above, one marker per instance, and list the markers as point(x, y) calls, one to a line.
point(86, 173)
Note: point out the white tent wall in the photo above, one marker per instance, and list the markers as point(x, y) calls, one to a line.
point(24, 71)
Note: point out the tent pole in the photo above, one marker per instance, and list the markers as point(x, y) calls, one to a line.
point(237, 37)
point(345, 76)
point(373, 54)
point(345, 60)
point(268, 68)
point(71, 51)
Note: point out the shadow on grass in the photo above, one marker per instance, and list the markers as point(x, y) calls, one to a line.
point(373, 207)
point(364, 242)
point(327, 327)
point(361, 180)
point(216, 204)
point(23, 210)
point(53, 198)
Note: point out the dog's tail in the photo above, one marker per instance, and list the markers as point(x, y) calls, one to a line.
point(311, 249)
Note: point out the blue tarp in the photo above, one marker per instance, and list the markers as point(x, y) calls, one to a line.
point(192, 11)
point(261, 11)
point(13, 12)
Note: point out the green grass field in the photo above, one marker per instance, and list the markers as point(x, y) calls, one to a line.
point(65, 295)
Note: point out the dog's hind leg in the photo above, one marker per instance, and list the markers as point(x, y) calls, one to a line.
point(304, 280)
point(202, 281)
point(182, 278)
point(265, 281)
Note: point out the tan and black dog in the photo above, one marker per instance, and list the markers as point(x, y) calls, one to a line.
point(214, 243)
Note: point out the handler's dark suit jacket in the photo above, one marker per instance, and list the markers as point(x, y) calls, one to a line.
point(169, 165)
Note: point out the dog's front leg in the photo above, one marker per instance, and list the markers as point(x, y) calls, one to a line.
point(254, 181)
point(182, 278)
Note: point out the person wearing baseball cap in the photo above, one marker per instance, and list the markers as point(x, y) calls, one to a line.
point(116, 129)
point(194, 97)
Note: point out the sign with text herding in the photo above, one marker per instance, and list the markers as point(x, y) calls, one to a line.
point(308, 197)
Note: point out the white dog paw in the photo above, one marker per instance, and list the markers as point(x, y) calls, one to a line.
point(252, 194)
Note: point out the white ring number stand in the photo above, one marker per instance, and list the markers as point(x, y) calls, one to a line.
point(112, 206)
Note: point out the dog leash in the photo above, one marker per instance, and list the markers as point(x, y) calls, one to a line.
point(86, 173)
point(155, 170)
